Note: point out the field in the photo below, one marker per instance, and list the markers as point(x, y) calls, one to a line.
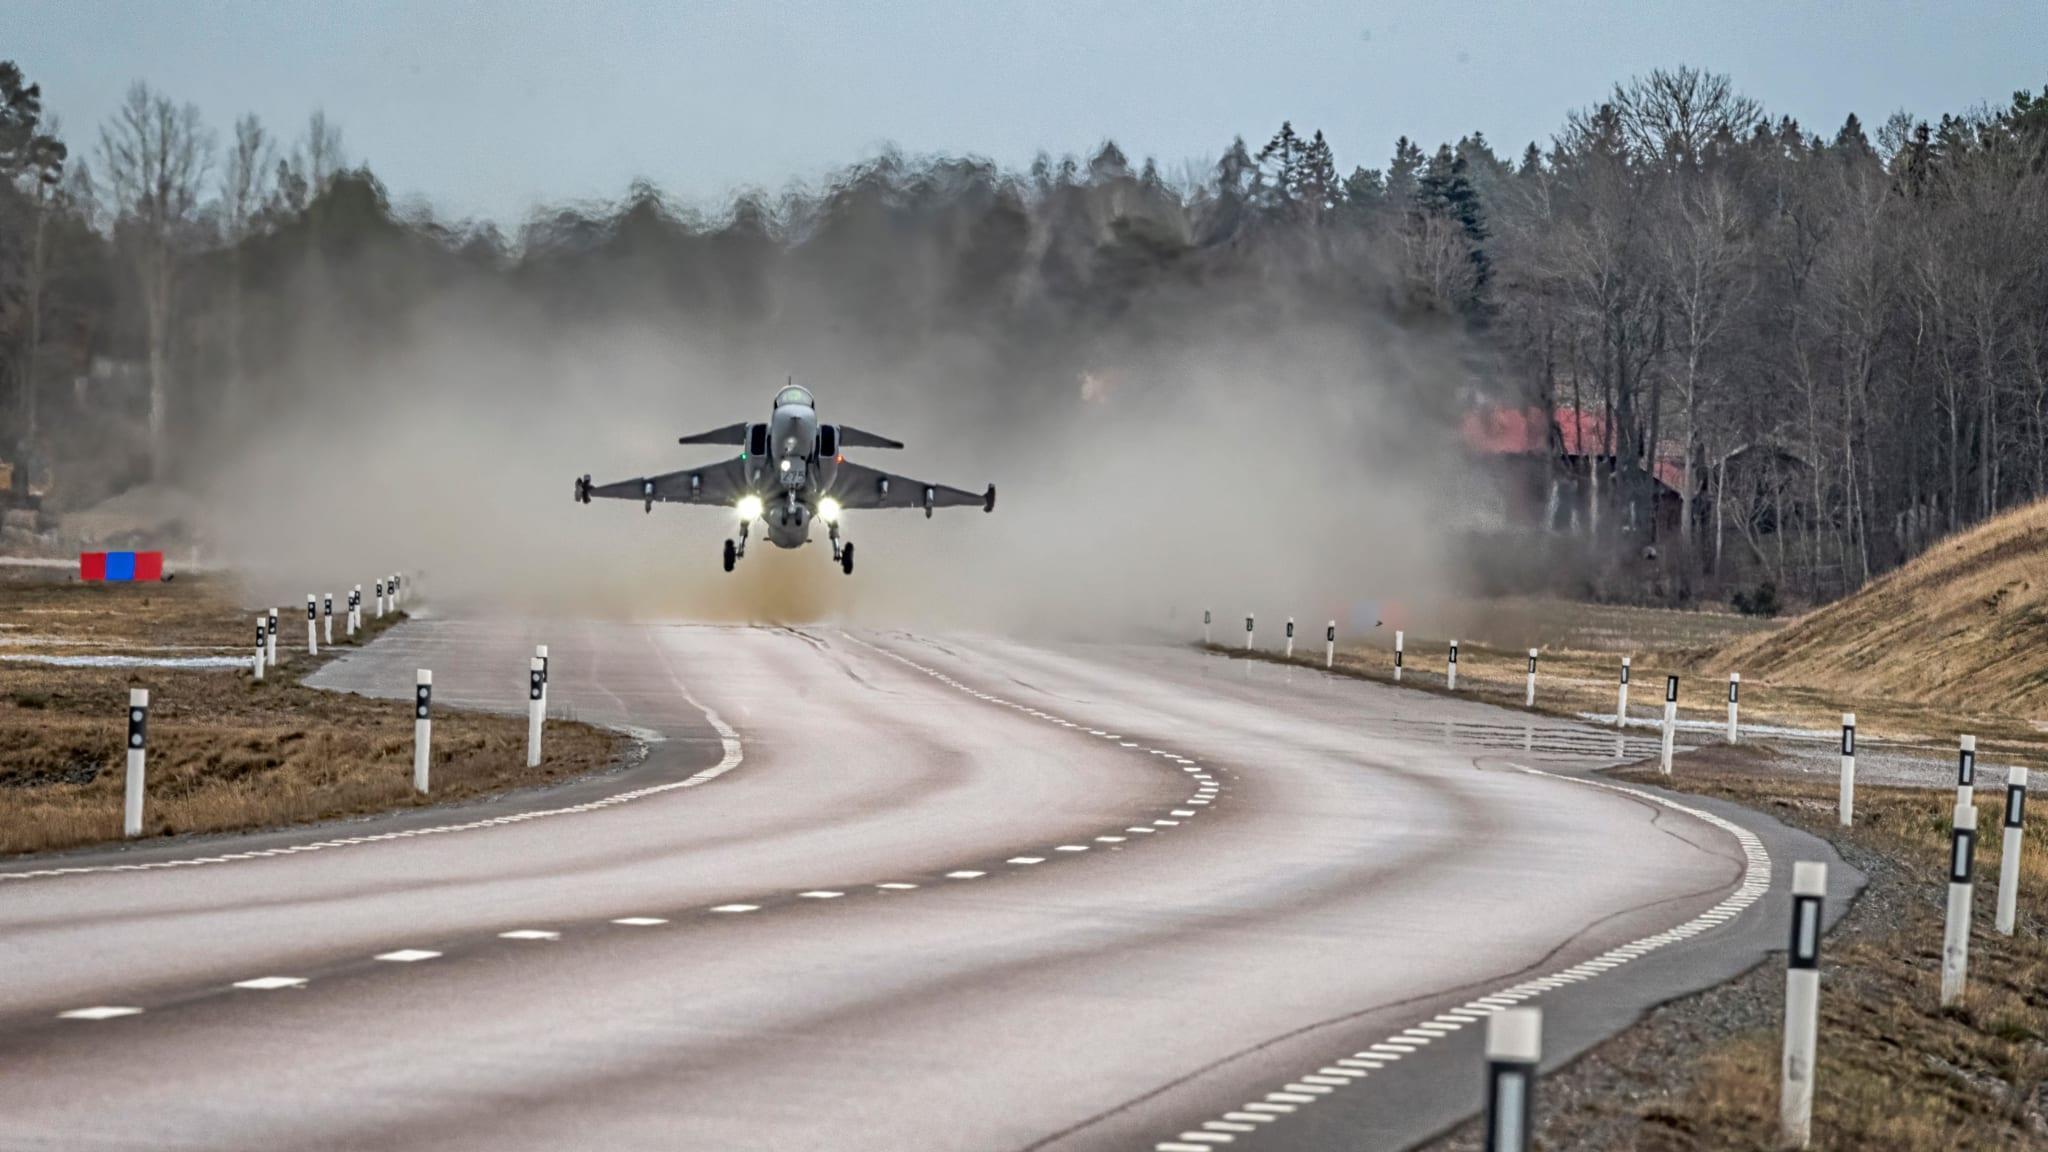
point(225, 752)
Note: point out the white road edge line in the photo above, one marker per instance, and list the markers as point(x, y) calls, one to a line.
point(1756, 881)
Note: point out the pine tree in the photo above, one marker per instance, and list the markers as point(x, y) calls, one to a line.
point(1280, 163)
point(1402, 172)
point(1318, 185)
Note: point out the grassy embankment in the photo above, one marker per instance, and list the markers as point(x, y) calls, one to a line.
point(226, 753)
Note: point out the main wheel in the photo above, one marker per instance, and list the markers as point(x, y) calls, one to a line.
point(846, 558)
point(731, 554)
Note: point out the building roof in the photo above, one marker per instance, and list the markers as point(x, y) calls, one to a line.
point(1496, 431)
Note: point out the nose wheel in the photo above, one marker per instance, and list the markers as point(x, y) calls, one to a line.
point(846, 557)
point(732, 555)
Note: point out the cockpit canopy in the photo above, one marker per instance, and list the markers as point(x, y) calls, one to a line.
point(795, 394)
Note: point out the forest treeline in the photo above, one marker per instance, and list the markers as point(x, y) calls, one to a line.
point(1825, 348)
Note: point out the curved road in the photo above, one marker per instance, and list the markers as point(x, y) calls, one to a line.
point(882, 891)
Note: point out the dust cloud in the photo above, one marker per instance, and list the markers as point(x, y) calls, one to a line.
point(1249, 442)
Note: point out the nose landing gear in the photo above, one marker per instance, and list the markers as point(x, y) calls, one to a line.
point(735, 549)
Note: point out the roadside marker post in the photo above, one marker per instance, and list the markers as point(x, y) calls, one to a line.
point(1847, 804)
point(312, 625)
point(259, 647)
point(1529, 698)
point(349, 624)
point(1398, 640)
point(1330, 646)
point(1966, 770)
point(270, 637)
point(1514, 1046)
point(1451, 677)
point(1206, 621)
point(540, 651)
point(1955, 941)
point(138, 757)
point(1802, 1004)
point(2009, 856)
point(380, 599)
point(327, 618)
point(1670, 722)
point(1621, 701)
point(1290, 637)
point(536, 689)
point(1734, 700)
point(422, 727)
point(1247, 632)
point(392, 583)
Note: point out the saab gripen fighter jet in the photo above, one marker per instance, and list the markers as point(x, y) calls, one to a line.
point(791, 471)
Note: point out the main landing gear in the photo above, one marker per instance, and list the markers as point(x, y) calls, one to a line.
point(843, 553)
point(735, 549)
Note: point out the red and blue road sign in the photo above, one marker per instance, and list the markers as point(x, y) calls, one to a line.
point(120, 567)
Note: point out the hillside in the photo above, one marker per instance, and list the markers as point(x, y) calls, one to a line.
point(1965, 625)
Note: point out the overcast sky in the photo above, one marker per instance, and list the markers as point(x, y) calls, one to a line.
point(491, 108)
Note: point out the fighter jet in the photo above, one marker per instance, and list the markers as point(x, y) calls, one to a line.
point(791, 471)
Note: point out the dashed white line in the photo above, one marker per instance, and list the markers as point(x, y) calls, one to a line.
point(408, 956)
point(1025, 860)
point(737, 908)
point(271, 983)
point(103, 1012)
point(530, 934)
point(821, 894)
point(965, 874)
point(640, 921)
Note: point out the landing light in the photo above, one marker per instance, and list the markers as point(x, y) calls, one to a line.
point(749, 508)
point(784, 465)
point(828, 510)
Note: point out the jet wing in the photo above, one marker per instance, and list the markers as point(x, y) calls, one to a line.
point(734, 434)
point(858, 486)
point(721, 483)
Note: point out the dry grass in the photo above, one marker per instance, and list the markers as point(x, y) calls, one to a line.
point(225, 753)
point(1581, 647)
point(1965, 622)
point(1896, 1071)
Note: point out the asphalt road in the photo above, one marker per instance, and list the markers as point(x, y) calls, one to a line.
point(883, 891)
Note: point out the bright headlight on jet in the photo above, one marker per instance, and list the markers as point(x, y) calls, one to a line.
point(749, 508)
point(784, 465)
point(828, 510)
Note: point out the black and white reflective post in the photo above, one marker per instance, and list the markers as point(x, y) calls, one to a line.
point(1846, 806)
point(1966, 770)
point(355, 603)
point(312, 625)
point(380, 599)
point(270, 636)
point(1207, 619)
point(260, 632)
point(1330, 645)
point(540, 652)
point(536, 690)
point(1399, 639)
point(1529, 697)
point(138, 755)
point(1514, 1046)
point(394, 591)
point(1802, 1004)
point(1451, 677)
point(327, 617)
point(1670, 722)
point(1955, 938)
point(2009, 855)
point(1290, 637)
point(1247, 632)
point(422, 727)
point(1621, 700)
point(1734, 701)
